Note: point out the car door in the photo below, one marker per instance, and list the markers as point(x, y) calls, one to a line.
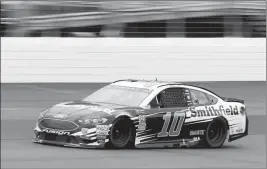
point(165, 118)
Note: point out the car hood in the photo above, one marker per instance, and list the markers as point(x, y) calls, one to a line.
point(74, 110)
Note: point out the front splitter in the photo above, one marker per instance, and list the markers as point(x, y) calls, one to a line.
point(79, 145)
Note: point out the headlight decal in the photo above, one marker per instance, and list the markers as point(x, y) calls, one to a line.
point(93, 121)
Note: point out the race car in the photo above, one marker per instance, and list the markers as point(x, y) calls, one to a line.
point(142, 114)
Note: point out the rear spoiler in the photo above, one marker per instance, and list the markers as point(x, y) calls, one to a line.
point(233, 100)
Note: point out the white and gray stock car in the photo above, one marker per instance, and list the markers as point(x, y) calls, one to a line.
point(140, 114)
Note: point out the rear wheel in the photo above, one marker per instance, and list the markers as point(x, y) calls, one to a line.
point(216, 133)
point(122, 133)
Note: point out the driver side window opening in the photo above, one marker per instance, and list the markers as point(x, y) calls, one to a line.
point(199, 98)
point(169, 98)
point(212, 99)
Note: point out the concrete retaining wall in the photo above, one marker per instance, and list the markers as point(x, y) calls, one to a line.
point(109, 59)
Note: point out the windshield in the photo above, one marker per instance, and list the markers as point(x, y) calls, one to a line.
point(121, 95)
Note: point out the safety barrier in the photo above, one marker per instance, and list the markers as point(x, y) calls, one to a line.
point(128, 11)
point(109, 59)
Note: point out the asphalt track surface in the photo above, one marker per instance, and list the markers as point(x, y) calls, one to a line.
point(21, 104)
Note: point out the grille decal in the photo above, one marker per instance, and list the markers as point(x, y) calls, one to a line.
point(58, 124)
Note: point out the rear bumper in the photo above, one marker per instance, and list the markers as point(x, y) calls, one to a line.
point(238, 136)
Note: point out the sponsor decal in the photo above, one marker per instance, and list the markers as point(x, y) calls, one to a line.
point(239, 130)
point(236, 130)
point(196, 138)
point(101, 133)
point(84, 131)
point(58, 132)
point(232, 131)
point(142, 122)
point(197, 132)
point(60, 116)
point(211, 111)
point(101, 139)
point(102, 130)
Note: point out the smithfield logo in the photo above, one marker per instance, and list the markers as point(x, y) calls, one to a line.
point(61, 116)
point(211, 111)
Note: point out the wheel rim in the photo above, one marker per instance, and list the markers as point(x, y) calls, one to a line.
point(121, 132)
point(215, 133)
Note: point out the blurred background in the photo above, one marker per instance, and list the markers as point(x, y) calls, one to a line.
point(154, 18)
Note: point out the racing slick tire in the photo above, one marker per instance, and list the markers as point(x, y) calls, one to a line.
point(122, 134)
point(216, 133)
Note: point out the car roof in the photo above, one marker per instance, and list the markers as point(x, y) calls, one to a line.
point(144, 84)
point(153, 84)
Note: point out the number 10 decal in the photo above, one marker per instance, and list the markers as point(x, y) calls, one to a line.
point(178, 118)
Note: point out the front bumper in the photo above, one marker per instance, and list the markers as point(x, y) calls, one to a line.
point(93, 138)
point(76, 145)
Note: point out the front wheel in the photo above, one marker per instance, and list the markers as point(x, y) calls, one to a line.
point(122, 133)
point(216, 133)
